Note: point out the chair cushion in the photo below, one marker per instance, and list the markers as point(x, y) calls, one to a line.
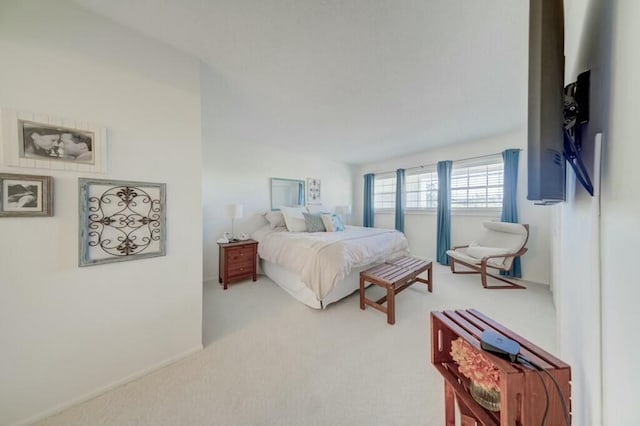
point(463, 255)
point(510, 228)
point(479, 251)
point(509, 236)
point(498, 238)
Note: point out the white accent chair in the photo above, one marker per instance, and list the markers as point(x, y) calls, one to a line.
point(498, 246)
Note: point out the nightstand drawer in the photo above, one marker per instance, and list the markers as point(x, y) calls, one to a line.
point(239, 254)
point(239, 269)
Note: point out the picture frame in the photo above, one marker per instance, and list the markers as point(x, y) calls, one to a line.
point(120, 220)
point(313, 191)
point(47, 142)
point(25, 195)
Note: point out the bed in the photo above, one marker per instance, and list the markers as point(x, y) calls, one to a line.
point(319, 268)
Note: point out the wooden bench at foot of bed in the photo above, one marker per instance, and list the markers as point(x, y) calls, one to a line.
point(394, 275)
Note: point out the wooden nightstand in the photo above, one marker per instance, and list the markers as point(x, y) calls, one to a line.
point(237, 260)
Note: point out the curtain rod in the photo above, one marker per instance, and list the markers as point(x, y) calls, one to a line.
point(422, 166)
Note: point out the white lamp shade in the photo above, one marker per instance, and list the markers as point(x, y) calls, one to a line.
point(235, 211)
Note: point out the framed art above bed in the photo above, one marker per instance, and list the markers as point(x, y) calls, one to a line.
point(313, 191)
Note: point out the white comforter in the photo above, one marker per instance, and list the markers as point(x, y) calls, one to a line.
point(323, 258)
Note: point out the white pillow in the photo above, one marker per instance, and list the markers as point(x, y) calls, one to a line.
point(275, 219)
point(294, 219)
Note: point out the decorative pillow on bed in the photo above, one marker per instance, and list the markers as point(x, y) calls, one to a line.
point(332, 222)
point(294, 219)
point(275, 219)
point(314, 222)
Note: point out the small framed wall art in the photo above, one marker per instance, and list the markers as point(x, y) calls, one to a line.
point(120, 221)
point(42, 141)
point(25, 195)
point(313, 191)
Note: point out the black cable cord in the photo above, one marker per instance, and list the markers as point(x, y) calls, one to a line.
point(546, 398)
point(564, 406)
point(524, 361)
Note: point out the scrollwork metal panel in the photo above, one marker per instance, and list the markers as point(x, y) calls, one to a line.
point(121, 220)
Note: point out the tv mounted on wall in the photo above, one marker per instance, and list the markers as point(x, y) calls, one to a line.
point(557, 115)
point(545, 157)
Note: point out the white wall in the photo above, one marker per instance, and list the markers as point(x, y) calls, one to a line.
point(577, 263)
point(237, 170)
point(620, 230)
point(67, 332)
point(421, 228)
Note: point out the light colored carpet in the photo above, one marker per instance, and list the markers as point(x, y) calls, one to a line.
point(270, 360)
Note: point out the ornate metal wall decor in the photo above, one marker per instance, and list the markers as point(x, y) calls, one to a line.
point(121, 220)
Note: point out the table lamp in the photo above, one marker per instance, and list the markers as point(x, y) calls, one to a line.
point(234, 212)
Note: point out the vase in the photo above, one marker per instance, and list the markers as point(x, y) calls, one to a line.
point(489, 399)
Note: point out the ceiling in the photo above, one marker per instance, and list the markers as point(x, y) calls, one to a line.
point(352, 80)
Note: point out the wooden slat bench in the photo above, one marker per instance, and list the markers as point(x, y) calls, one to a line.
point(394, 275)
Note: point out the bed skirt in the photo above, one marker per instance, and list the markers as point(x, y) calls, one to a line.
point(292, 284)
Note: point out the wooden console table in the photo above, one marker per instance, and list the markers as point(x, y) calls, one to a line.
point(522, 395)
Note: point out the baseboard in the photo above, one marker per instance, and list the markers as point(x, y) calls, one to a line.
point(210, 280)
point(86, 397)
point(214, 280)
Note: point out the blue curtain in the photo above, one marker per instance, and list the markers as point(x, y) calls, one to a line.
point(400, 200)
point(444, 212)
point(509, 200)
point(368, 214)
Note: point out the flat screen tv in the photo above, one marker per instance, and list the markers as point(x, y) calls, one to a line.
point(545, 153)
point(558, 115)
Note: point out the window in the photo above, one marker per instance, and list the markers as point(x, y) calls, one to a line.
point(422, 189)
point(477, 185)
point(384, 192)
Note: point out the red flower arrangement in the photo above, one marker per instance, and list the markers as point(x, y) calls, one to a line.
point(474, 366)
